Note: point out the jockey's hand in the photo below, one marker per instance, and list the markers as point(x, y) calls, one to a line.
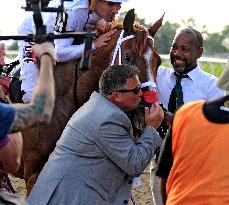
point(103, 39)
point(2, 53)
point(154, 116)
point(168, 118)
point(46, 48)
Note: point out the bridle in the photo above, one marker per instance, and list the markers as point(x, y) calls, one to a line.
point(149, 96)
point(118, 50)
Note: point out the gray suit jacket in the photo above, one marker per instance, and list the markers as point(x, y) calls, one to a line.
point(95, 159)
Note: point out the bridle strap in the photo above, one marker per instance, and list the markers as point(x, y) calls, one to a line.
point(118, 50)
point(150, 37)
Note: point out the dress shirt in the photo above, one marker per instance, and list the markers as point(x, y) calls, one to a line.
point(198, 86)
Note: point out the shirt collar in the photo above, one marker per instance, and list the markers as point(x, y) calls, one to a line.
point(192, 74)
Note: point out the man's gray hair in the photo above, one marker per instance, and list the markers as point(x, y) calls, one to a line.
point(114, 78)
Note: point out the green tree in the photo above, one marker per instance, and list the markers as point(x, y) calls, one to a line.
point(13, 46)
point(164, 37)
point(214, 45)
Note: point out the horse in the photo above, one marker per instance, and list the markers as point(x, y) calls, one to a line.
point(132, 43)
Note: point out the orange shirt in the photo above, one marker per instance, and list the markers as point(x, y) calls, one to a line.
point(200, 170)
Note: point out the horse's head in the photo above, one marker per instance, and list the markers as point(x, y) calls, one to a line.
point(132, 43)
point(135, 45)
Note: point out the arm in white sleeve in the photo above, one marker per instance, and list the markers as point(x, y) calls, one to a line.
point(65, 50)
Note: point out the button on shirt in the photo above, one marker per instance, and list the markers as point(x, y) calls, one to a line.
point(198, 86)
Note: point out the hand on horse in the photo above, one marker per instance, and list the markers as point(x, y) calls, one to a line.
point(45, 48)
point(103, 39)
point(2, 53)
point(154, 116)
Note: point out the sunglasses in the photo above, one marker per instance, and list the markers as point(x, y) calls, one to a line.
point(134, 90)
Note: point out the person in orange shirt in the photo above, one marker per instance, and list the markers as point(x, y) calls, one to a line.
point(193, 164)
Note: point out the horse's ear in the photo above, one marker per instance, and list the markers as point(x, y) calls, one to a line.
point(128, 23)
point(154, 28)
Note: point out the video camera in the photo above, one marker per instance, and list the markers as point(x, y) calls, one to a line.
point(41, 35)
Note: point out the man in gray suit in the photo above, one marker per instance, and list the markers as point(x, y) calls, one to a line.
point(97, 156)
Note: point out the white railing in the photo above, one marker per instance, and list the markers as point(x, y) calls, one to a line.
point(214, 65)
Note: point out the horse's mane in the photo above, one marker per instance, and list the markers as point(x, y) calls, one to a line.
point(139, 31)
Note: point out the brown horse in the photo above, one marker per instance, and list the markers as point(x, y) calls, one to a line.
point(130, 44)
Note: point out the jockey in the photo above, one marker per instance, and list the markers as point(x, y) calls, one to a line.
point(80, 15)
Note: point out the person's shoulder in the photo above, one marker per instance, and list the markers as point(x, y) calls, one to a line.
point(26, 25)
point(77, 15)
point(206, 75)
point(107, 109)
point(189, 106)
point(202, 77)
point(77, 12)
point(188, 109)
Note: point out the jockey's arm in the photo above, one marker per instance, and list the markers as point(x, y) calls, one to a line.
point(64, 48)
point(65, 51)
point(40, 109)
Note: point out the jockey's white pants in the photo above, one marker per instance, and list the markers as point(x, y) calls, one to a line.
point(29, 72)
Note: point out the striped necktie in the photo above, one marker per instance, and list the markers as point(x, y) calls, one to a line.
point(176, 97)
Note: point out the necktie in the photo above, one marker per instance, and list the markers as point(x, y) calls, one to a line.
point(176, 97)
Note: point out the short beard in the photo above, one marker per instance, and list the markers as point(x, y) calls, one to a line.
point(179, 69)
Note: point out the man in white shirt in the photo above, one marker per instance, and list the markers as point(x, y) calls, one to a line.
point(196, 84)
point(78, 18)
point(183, 83)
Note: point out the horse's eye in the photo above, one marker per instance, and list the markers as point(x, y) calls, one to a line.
point(127, 58)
